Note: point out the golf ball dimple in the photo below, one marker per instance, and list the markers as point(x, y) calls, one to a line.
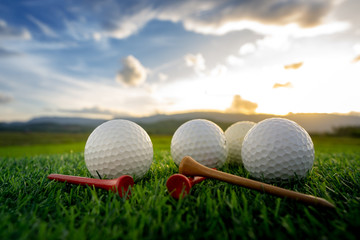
point(118, 147)
point(277, 148)
point(202, 140)
point(234, 137)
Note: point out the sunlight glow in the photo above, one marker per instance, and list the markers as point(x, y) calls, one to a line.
point(321, 85)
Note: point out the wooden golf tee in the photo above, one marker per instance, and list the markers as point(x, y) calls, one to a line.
point(120, 184)
point(190, 167)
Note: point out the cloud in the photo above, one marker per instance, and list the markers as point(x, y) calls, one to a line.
point(7, 32)
point(221, 17)
point(123, 19)
point(294, 65)
point(5, 98)
point(163, 77)
point(285, 85)
point(94, 111)
point(234, 60)
point(357, 48)
point(277, 41)
point(133, 72)
point(196, 61)
point(43, 27)
point(279, 37)
point(128, 25)
point(97, 36)
point(247, 48)
point(218, 70)
point(240, 105)
point(356, 59)
point(7, 53)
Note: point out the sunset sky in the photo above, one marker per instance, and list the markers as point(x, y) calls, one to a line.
point(105, 59)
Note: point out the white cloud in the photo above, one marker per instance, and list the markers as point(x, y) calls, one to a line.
point(247, 48)
point(219, 70)
point(196, 61)
point(216, 17)
point(43, 27)
point(357, 48)
point(97, 36)
point(163, 77)
point(291, 29)
point(46, 88)
point(278, 42)
point(80, 29)
point(279, 37)
point(133, 72)
point(8, 32)
point(234, 60)
point(323, 29)
point(128, 25)
point(252, 15)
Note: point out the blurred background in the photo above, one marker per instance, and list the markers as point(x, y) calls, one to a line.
point(67, 66)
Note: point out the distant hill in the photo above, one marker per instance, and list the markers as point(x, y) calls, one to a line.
point(53, 124)
point(67, 120)
point(167, 124)
point(314, 122)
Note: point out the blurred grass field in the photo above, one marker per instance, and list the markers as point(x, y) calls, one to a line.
point(32, 207)
point(17, 144)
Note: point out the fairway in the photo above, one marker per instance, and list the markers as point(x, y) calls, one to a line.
point(32, 207)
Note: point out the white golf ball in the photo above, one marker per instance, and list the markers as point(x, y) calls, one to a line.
point(234, 138)
point(277, 148)
point(202, 140)
point(118, 147)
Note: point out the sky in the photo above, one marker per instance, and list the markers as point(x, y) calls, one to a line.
point(106, 59)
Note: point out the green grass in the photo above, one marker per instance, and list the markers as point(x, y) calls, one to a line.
point(32, 207)
point(14, 144)
point(40, 138)
point(336, 144)
point(33, 150)
point(18, 144)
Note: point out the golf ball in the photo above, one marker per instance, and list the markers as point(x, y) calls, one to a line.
point(201, 139)
point(234, 137)
point(277, 148)
point(118, 147)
